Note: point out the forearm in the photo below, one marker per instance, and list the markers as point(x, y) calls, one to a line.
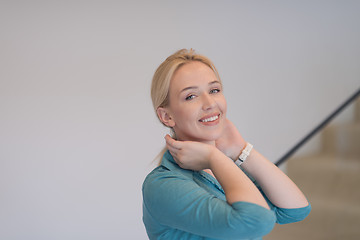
point(278, 187)
point(237, 186)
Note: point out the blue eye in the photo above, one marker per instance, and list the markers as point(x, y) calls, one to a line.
point(189, 97)
point(215, 90)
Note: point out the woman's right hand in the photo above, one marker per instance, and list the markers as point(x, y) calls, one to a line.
point(190, 155)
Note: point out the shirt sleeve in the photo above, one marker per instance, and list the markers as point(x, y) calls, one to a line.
point(177, 201)
point(290, 215)
point(284, 215)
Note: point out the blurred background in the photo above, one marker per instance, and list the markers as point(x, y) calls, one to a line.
point(78, 133)
point(330, 177)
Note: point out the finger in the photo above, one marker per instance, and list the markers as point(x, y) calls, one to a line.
point(172, 142)
point(171, 149)
point(173, 155)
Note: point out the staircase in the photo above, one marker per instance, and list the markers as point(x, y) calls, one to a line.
point(330, 179)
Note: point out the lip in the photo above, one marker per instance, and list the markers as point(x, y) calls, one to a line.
point(209, 116)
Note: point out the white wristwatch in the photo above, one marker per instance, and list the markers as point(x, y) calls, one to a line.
point(244, 154)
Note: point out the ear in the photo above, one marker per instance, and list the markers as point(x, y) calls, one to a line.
point(165, 117)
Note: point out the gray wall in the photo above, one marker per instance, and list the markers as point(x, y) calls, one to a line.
point(77, 129)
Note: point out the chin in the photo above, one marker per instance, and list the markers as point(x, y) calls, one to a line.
point(209, 137)
point(199, 135)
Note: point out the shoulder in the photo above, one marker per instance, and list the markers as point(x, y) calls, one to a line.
point(162, 187)
point(167, 173)
point(162, 178)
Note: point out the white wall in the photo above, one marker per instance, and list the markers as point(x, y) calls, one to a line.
point(77, 129)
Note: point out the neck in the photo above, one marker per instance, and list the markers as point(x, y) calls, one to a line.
point(209, 142)
point(212, 142)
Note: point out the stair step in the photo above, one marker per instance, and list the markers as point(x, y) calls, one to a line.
point(342, 140)
point(327, 177)
point(332, 185)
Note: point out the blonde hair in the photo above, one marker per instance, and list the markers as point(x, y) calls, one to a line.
point(161, 80)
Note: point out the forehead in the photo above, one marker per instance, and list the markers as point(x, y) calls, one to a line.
point(192, 74)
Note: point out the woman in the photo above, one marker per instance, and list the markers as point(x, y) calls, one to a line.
point(211, 183)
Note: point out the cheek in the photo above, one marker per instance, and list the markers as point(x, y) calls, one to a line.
point(185, 117)
point(222, 105)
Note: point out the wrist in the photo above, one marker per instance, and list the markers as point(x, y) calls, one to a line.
point(215, 155)
point(244, 154)
point(237, 152)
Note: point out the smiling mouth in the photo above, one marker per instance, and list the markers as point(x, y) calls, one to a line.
point(210, 119)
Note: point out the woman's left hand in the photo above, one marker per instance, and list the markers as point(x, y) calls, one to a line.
point(231, 143)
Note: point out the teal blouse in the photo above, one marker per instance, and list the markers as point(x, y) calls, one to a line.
point(185, 204)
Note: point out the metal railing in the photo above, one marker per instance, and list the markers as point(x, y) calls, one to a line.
point(318, 128)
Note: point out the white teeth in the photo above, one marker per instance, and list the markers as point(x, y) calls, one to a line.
point(210, 119)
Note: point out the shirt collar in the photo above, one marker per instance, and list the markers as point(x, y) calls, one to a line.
point(168, 161)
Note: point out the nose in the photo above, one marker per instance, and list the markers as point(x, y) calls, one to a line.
point(208, 102)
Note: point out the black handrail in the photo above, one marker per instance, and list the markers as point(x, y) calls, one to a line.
point(318, 128)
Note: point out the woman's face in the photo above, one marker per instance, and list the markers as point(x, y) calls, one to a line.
point(197, 106)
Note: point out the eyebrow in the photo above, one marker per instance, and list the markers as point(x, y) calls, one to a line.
point(194, 87)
